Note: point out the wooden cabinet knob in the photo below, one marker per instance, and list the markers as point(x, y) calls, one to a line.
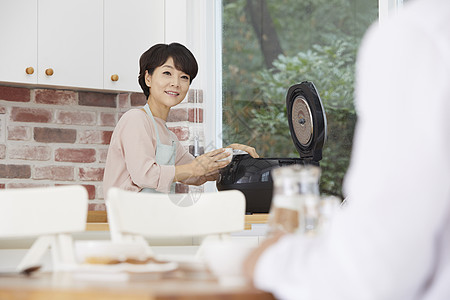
point(49, 72)
point(29, 70)
point(114, 77)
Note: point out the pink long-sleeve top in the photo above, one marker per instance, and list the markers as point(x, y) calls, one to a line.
point(130, 164)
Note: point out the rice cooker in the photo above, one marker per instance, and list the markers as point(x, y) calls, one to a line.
point(308, 128)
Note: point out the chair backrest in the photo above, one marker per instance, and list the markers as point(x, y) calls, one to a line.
point(39, 211)
point(49, 213)
point(156, 215)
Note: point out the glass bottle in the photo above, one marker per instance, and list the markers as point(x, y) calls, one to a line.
point(310, 195)
point(295, 200)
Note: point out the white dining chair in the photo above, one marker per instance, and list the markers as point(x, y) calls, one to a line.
point(49, 214)
point(136, 216)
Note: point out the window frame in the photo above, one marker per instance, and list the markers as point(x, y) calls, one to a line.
point(387, 8)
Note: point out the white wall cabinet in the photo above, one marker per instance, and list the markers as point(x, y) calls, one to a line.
point(83, 42)
point(70, 42)
point(18, 40)
point(131, 27)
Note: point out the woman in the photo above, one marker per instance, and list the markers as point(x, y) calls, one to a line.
point(144, 155)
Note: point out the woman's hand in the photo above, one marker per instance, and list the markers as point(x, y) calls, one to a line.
point(248, 149)
point(212, 176)
point(206, 165)
point(209, 162)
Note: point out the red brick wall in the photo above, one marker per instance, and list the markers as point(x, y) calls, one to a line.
point(52, 137)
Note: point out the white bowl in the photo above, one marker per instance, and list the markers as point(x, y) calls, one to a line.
point(228, 158)
point(225, 260)
point(104, 252)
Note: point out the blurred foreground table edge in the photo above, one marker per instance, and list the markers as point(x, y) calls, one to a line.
point(63, 285)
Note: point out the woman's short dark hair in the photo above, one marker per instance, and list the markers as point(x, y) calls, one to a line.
point(158, 54)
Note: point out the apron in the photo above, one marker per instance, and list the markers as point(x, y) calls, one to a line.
point(165, 154)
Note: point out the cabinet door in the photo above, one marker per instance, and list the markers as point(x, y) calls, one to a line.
point(18, 40)
point(71, 42)
point(131, 27)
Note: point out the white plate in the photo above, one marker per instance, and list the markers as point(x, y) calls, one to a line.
point(125, 267)
point(121, 272)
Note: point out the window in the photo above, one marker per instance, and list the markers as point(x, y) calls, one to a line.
point(269, 45)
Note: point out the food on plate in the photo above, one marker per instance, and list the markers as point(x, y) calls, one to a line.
point(112, 261)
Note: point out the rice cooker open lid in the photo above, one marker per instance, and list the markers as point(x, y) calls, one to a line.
point(307, 120)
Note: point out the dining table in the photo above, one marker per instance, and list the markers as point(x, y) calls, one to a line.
point(178, 284)
point(172, 285)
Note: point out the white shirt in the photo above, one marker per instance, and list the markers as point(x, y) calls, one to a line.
point(392, 241)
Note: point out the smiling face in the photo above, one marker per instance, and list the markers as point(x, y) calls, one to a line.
point(168, 87)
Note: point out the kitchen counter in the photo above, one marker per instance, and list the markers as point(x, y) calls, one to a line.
point(98, 220)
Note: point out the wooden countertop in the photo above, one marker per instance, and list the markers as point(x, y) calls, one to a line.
point(98, 220)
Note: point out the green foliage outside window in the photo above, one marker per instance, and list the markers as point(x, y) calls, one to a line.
point(318, 42)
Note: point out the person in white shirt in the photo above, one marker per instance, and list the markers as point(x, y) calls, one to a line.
point(392, 240)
